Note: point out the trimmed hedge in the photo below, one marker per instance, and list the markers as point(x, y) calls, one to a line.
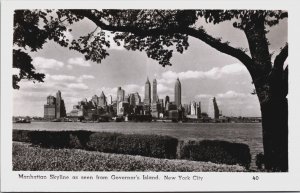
point(145, 145)
point(148, 145)
point(216, 151)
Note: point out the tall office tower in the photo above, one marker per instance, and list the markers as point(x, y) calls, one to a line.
point(178, 93)
point(132, 99)
point(137, 98)
point(167, 100)
point(154, 92)
point(213, 109)
point(199, 110)
point(102, 100)
point(147, 99)
point(120, 94)
point(58, 104)
point(95, 100)
point(109, 100)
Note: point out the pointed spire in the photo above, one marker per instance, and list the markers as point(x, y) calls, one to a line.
point(147, 80)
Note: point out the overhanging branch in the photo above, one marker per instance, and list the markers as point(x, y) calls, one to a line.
point(170, 30)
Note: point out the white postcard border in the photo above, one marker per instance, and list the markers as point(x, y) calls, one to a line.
point(212, 181)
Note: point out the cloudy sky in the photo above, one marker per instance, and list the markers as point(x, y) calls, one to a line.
point(203, 71)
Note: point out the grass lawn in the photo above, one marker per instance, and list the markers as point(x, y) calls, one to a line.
point(30, 158)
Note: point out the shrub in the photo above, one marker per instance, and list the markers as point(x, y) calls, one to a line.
point(216, 151)
point(147, 145)
point(21, 135)
point(103, 142)
point(259, 160)
point(53, 139)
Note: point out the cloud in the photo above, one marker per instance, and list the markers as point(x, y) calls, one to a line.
point(80, 86)
point(46, 63)
point(215, 73)
point(232, 94)
point(84, 77)
point(78, 61)
point(203, 96)
point(164, 89)
point(69, 66)
point(60, 77)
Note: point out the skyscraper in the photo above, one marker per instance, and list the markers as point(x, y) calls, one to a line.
point(178, 93)
point(167, 100)
point(120, 94)
point(55, 107)
point(213, 109)
point(58, 104)
point(154, 92)
point(147, 99)
point(102, 100)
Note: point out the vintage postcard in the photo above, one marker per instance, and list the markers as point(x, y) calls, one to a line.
point(100, 96)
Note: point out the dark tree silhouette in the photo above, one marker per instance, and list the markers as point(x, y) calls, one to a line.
point(159, 32)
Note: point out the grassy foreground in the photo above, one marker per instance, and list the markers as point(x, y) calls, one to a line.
point(26, 157)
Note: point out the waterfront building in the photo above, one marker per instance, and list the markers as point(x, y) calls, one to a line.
point(50, 108)
point(156, 109)
point(171, 106)
point(213, 109)
point(178, 92)
point(147, 99)
point(195, 112)
point(55, 107)
point(173, 114)
point(102, 100)
point(154, 92)
point(123, 108)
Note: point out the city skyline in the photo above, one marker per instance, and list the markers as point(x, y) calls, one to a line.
point(204, 71)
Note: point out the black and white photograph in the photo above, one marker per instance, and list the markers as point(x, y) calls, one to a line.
point(149, 90)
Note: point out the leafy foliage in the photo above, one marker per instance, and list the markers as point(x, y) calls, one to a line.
point(156, 32)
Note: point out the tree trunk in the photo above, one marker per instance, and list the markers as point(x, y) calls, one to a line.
point(272, 92)
point(275, 134)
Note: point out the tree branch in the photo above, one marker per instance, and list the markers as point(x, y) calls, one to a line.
point(281, 57)
point(197, 33)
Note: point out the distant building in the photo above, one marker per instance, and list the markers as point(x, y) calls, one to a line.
point(154, 92)
point(178, 93)
point(109, 100)
point(102, 100)
point(213, 109)
point(132, 100)
point(123, 108)
point(167, 100)
point(147, 99)
point(195, 110)
point(120, 94)
point(95, 100)
point(55, 107)
point(156, 109)
point(137, 99)
point(50, 108)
